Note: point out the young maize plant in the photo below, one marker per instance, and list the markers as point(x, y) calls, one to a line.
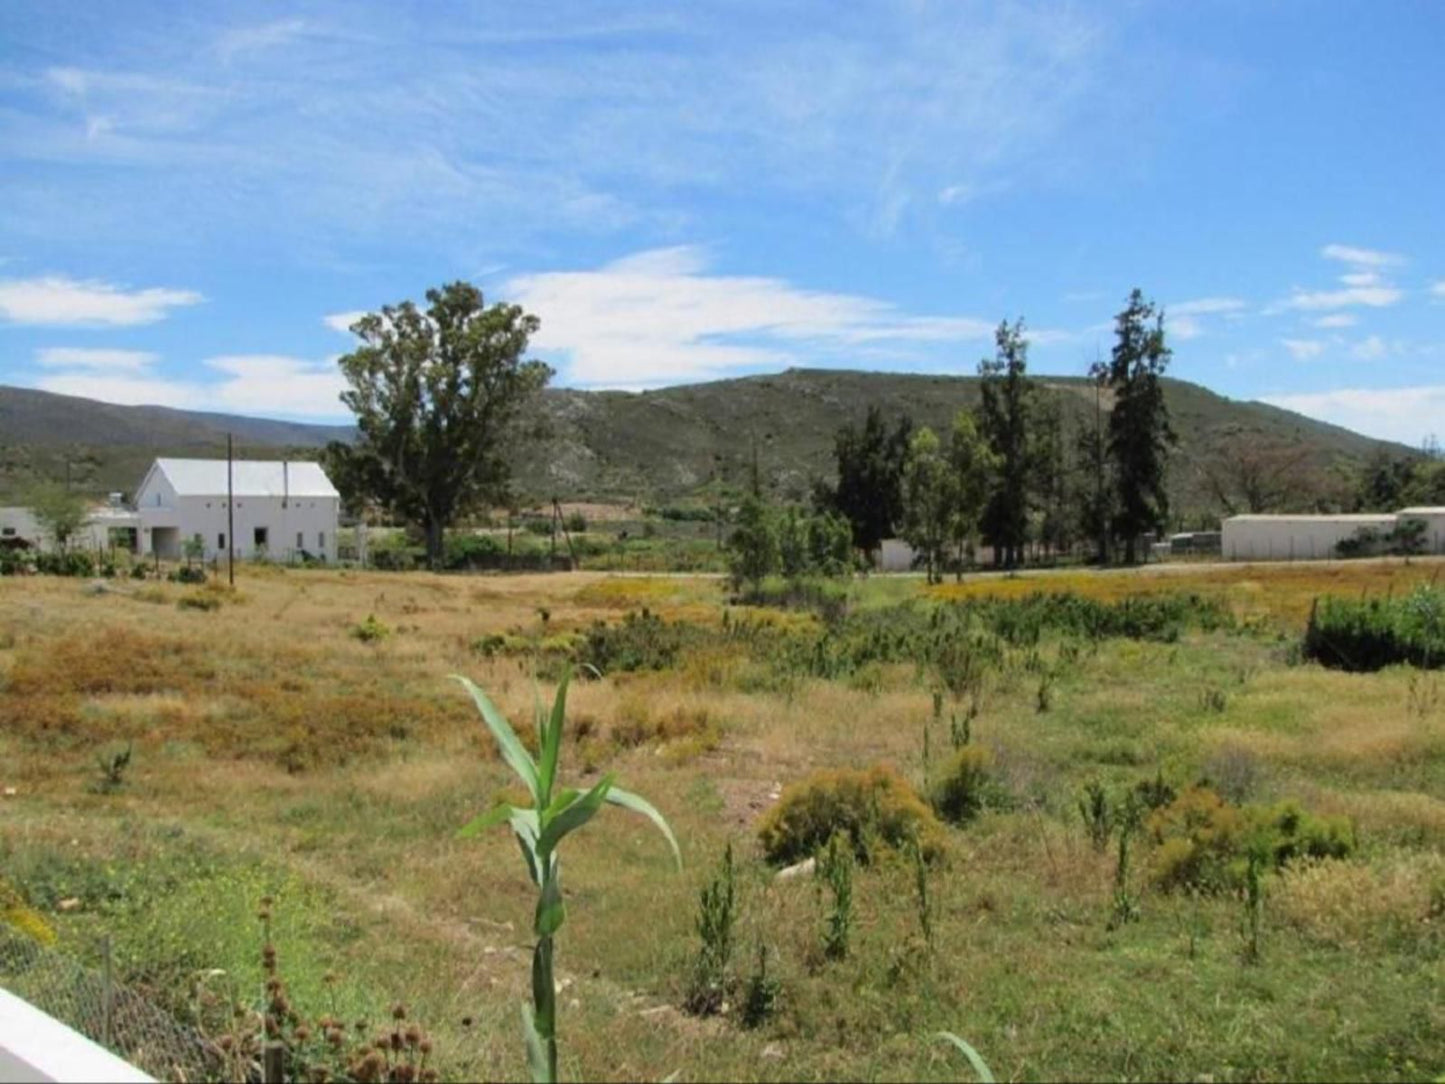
point(554, 814)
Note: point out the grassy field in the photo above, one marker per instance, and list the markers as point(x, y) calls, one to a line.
point(278, 750)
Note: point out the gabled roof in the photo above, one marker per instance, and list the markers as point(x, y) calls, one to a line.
point(250, 478)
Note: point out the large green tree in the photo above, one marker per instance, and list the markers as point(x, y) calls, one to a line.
point(972, 467)
point(60, 512)
point(1006, 410)
point(869, 493)
point(1140, 434)
point(439, 397)
point(928, 501)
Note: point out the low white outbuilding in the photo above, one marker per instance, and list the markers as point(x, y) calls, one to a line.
point(1434, 521)
point(1298, 538)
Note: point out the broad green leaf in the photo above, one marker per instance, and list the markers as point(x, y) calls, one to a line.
point(537, 1060)
point(974, 1058)
point(636, 803)
point(513, 751)
point(479, 824)
point(550, 742)
point(524, 827)
point(577, 814)
point(551, 911)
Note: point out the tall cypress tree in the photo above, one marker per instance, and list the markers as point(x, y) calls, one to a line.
point(1140, 435)
point(1006, 409)
point(869, 494)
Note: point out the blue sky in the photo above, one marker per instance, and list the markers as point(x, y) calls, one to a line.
point(195, 196)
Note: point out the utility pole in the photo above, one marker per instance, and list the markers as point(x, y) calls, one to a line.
point(230, 513)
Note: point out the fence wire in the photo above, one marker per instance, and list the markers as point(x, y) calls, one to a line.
point(117, 1017)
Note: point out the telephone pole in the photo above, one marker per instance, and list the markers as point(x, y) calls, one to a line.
point(230, 513)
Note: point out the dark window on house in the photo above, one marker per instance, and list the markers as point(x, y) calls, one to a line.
point(221, 541)
point(260, 536)
point(300, 541)
point(321, 540)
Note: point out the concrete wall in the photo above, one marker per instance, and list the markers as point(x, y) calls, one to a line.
point(1293, 538)
point(36, 1047)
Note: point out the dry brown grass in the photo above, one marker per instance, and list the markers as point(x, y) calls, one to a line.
point(390, 760)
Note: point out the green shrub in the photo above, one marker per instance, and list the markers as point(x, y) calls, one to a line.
point(1204, 842)
point(716, 917)
point(1369, 634)
point(964, 786)
point(371, 630)
point(872, 804)
point(188, 574)
point(642, 641)
point(68, 563)
point(467, 550)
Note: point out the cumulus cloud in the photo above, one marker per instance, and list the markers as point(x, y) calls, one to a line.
point(1438, 289)
point(267, 384)
point(94, 359)
point(1408, 414)
point(342, 321)
point(1303, 349)
point(1337, 320)
point(60, 301)
point(658, 317)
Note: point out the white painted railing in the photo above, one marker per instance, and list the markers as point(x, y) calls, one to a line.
point(37, 1047)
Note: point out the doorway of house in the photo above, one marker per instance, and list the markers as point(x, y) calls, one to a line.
point(166, 543)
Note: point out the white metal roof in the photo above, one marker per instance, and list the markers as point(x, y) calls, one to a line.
point(1355, 517)
point(1423, 511)
point(250, 478)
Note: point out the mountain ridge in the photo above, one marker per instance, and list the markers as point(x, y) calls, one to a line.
point(654, 445)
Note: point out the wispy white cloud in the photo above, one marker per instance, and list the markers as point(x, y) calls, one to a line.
point(265, 384)
point(1373, 348)
point(1206, 306)
point(658, 317)
point(1438, 289)
point(1364, 284)
point(342, 321)
point(1186, 319)
point(1303, 349)
point(94, 358)
point(1362, 257)
point(1377, 297)
point(1336, 320)
point(250, 39)
point(523, 121)
point(58, 300)
point(1408, 414)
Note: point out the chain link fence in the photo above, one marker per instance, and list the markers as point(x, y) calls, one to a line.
point(120, 1019)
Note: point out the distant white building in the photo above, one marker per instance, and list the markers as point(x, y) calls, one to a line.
point(1306, 538)
point(284, 509)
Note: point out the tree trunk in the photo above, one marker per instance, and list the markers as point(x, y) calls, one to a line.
point(434, 543)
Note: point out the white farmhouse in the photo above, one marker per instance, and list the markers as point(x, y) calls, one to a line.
point(283, 509)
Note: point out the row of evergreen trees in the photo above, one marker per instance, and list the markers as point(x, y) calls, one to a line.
point(1005, 472)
